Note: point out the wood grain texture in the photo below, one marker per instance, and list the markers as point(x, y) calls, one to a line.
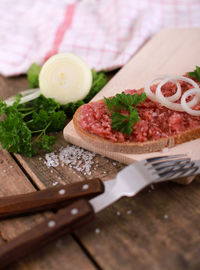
point(135, 233)
point(168, 52)
point(12, 182)
point(157, 229)
point(42, 234)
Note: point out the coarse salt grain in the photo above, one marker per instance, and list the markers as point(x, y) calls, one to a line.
point(54, 183)
point(165, 150)
point(166, 216)
point(129, 212)
point(51, 160)
point(11, 166)
point(118, 213)
point(77, 158)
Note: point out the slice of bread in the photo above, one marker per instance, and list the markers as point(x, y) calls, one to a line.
point(133, 147)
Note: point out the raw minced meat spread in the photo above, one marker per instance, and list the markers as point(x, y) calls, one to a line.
point(156, 121)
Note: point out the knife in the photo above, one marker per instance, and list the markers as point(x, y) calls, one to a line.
point(128, 182)
point(50, 198)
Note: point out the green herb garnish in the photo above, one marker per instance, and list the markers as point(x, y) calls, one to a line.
point(33, 75)
point(124, 102)
point(99, 80)
point(195, 74)
point(26, 126)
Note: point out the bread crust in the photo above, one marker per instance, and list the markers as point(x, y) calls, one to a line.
point(133, 147)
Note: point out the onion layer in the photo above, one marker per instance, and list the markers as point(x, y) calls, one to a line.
point(147, 88)
point(66, 78)
point(166, 102)
point(169, 102)
point(186, 106)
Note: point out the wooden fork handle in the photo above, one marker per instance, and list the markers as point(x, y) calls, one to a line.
point(65, 221)
point(50, 198)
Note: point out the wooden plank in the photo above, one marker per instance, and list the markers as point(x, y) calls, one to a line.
point(161, 232)
point(171, 52)
point(143, 239)
point(62, 254)
point(153, 226)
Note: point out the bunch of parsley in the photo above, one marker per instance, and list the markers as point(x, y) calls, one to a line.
point(121, 103)
point(25, 127)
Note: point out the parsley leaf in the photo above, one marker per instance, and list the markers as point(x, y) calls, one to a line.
point(46, 142)
point(123, 110)
point(195, 74)
point(25, 127)
point(71, 107)
point(99, 80)
point(33, 75)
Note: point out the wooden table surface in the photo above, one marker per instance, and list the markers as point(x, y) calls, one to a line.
point(157, 229)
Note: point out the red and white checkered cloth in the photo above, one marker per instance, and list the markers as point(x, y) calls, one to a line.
point(105, 33)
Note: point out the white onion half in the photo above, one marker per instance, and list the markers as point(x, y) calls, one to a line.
point(27, 95)
point(186, 106)
point(66, 78)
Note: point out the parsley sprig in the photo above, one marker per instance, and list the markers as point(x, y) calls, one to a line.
point(123, 108)
point(25, 127)
point(195, 74)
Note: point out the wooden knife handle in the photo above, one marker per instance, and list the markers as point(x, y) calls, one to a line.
point(50, 198)
point(65, 221)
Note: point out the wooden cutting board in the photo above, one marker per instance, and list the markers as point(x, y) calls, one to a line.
point(171, 52)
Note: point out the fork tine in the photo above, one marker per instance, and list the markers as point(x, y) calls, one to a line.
point(155, 159)
point(181, 172)
point(171, 163)
point(173, 167)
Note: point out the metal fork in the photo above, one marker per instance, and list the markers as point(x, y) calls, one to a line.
point(138, 175)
